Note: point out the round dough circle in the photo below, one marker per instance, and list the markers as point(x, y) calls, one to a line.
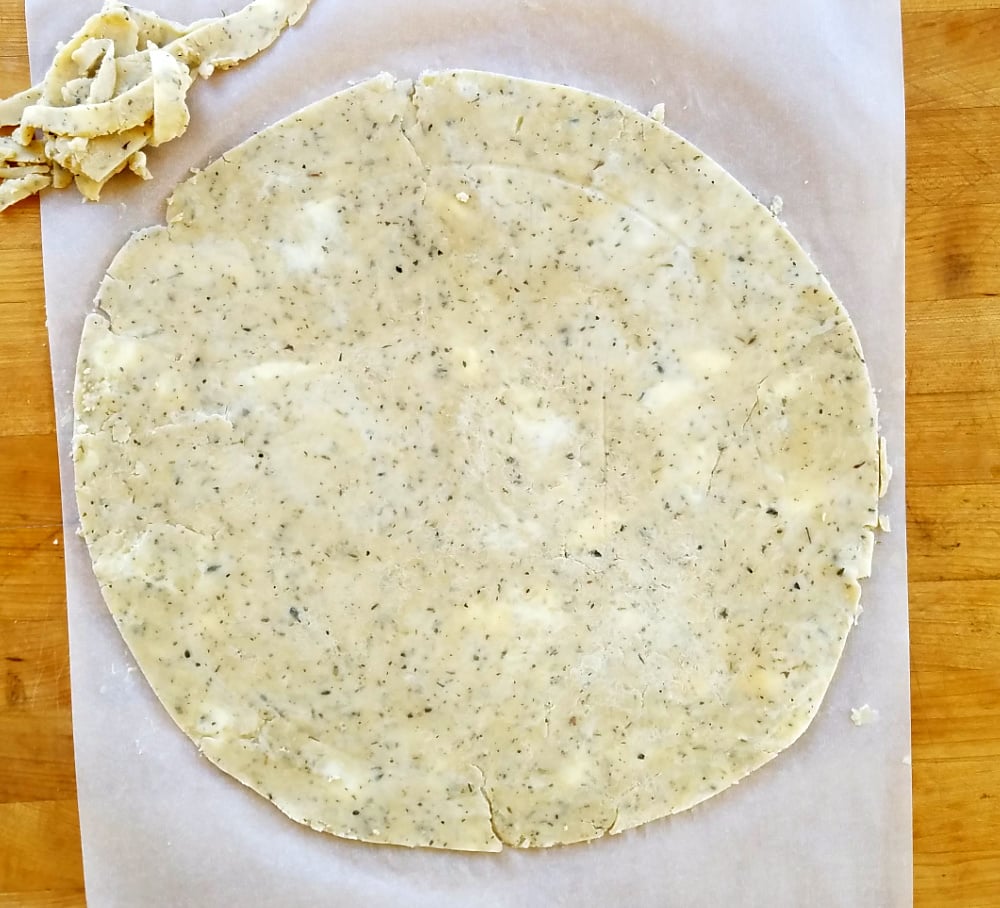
point(473, 462)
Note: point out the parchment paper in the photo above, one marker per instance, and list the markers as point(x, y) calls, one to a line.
point(800, 98)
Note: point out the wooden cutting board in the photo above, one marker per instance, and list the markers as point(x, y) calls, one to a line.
point(952, 58)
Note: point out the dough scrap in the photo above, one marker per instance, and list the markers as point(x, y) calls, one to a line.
point(864, 715)
point(473, 462)
point(120, 84)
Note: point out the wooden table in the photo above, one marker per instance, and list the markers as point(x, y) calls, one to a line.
point(952, 55)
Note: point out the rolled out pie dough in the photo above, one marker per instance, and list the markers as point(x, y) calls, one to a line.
point(473, 462)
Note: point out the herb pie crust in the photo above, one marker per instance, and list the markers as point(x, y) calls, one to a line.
point(472, 461)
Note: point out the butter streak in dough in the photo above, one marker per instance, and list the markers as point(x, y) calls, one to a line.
point(474, 462)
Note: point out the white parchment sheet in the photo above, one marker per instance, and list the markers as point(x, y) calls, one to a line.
point(797, 98)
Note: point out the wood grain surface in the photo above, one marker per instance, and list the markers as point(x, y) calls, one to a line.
point(952, 59)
